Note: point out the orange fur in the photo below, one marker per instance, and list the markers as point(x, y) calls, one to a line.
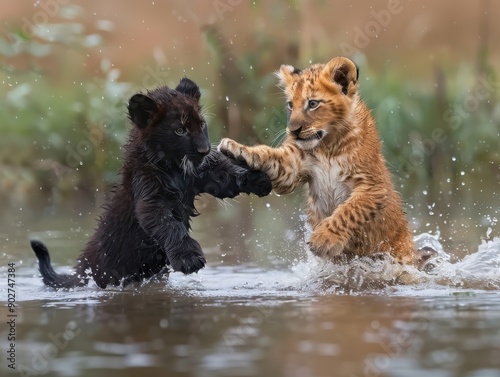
point(333, 145)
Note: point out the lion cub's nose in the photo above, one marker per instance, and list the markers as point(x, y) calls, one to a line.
point(297, 131)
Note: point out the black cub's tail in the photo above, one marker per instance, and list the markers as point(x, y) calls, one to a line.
point(49, 276)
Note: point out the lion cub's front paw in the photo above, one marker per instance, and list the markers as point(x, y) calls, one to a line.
point(325, 244)
point(426, 259)
point(230, 148)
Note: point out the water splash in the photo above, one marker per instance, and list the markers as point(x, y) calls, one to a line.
point(310, 275)
point(479, 270)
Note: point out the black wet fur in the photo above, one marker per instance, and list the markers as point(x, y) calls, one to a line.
point(145, 222)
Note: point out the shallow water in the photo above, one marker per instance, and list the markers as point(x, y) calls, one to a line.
point(262, 307)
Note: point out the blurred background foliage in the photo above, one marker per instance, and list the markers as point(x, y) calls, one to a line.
point(68, 70)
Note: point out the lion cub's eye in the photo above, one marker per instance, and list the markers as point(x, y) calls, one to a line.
point(289, 106)
point(312, 104)
point(180, 131)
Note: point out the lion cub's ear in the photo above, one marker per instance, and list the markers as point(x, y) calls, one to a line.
point(285, 75)
point(342, 73)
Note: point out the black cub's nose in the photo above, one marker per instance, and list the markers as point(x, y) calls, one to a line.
point(203, 149)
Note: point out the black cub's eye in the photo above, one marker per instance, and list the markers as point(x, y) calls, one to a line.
point(180, 131)
point(203, 125)
point(289, 105)
point(312, 104)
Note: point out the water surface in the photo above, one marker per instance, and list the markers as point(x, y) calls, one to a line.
point(261, 307)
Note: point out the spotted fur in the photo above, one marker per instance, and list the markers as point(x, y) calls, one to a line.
point(332, 144)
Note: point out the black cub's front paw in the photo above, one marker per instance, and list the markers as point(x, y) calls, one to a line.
point(256, 182)
point(187, 257)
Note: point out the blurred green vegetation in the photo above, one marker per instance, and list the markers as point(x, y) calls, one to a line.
point(64, 140)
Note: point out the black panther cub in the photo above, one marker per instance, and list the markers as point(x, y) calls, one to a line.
point(145, 224)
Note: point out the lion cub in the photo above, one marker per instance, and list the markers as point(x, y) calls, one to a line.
point(333, 145)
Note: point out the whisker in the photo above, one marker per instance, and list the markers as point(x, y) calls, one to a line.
point(188, 168)
point(223, 203)
point(209, 107)
point(205, 114)
point(278, 139)
point(279, 93)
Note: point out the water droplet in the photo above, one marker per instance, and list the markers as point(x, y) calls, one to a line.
point(164, 323)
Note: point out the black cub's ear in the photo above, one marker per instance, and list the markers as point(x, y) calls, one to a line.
point(189, 88)
point(141, 110)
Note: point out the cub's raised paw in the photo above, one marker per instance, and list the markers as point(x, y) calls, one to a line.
point(187, 258)
point(230, 148)
point(325, 244)
point(256, 182)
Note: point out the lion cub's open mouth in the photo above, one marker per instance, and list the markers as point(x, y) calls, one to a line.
point(311, 141)
point(314, 136)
